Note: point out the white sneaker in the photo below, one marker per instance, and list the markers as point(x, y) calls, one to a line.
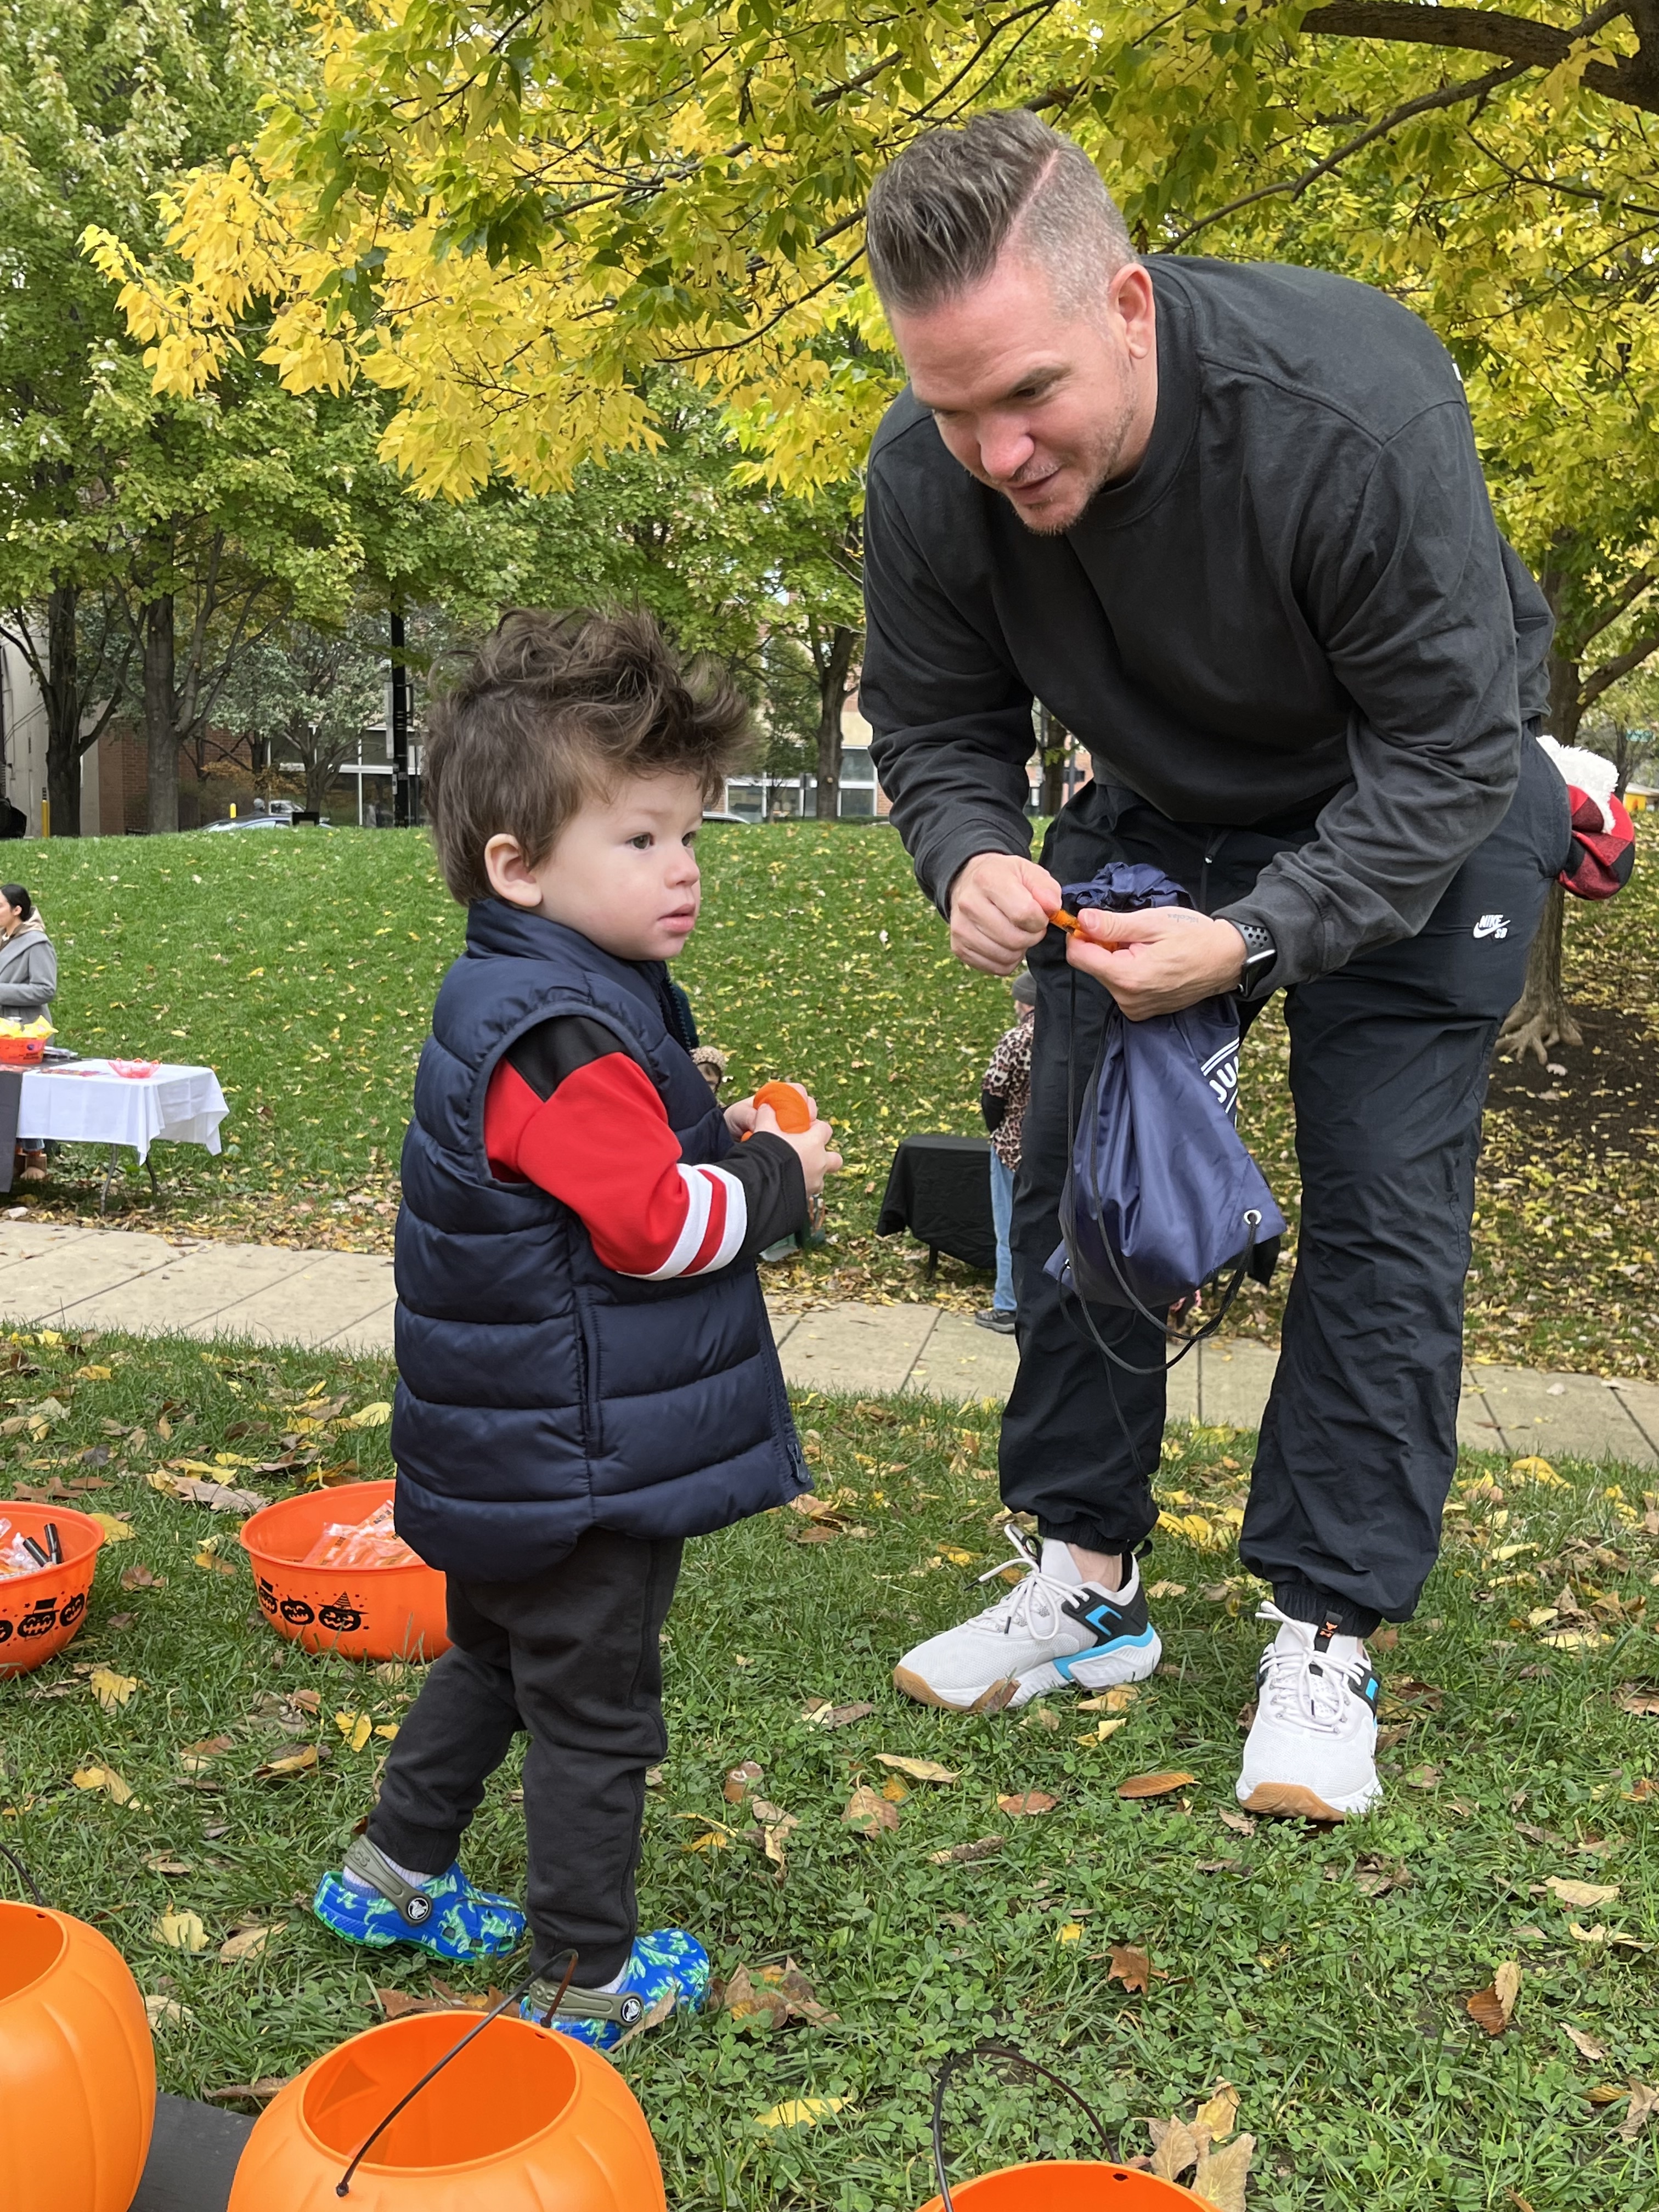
point(1052, 1631)
point(1312, 1747)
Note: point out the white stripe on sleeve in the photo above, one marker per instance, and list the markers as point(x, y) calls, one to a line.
point(737, 1218)
point(693, 1230)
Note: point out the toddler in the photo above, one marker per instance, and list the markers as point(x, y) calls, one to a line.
point(587, 1373)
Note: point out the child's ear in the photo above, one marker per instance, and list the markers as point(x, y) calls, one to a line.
point(510, 876)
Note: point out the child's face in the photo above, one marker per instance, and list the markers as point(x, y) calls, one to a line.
point(622, 870)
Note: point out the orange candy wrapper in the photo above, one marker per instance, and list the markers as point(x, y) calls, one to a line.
point(371, 1543)
point(1068, 922)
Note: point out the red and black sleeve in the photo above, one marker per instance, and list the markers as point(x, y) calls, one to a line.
point(572, 1110)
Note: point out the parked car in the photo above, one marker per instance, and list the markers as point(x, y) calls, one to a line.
point(277, 814)
point(741, 820)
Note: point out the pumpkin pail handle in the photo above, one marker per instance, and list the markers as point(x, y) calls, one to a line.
point(342, 2187)
point(996, 2051)
point(32, 1886)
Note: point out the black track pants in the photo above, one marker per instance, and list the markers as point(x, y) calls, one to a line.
point(571, 1657)
point(1389, 1061)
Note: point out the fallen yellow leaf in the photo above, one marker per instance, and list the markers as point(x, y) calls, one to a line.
point(291, 1763)
point(1220, 2112)
point(1111, 1701)
point(801, 2112)
point(374, 1416)
point(958, 1558)
point(92, 1374)
point(712, 1839)
point(1537, 1471)
point(248, 1942)
point(182, 1931)
point(389, 1730)
point(1102, 1729)
point(1071, 1933)
point(355, 1728)
point(112, 1690)
point(1581, 1893)
point(918, 1770)
point(116, 1531)
point(106, 1779)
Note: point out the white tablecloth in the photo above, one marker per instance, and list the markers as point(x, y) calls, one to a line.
point(85, 1102)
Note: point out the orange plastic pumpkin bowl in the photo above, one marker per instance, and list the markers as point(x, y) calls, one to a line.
point(523, 2121)
point(41, 1612)
point(358, 1613)
point(77, 2068)
point(1066, 2185)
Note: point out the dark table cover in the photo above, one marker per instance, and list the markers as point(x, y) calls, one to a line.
point(193, 2156)
point(940, 1190)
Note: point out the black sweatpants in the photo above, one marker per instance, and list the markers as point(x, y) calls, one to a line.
point(572, 1658)
point(1388, 1059)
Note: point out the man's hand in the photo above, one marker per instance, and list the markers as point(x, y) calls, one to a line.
point(999, 907)
point(1157, 962)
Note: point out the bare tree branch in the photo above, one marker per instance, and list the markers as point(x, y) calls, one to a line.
point(1621, 664)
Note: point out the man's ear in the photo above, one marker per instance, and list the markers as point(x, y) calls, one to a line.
point(509, 874)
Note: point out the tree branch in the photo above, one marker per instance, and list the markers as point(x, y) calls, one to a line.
point(1621, 664)
point(1633, 79)
point(1450, 96)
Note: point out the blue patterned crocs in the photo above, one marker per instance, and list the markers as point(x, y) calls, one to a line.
point(445, 1916)
point(666, 1964)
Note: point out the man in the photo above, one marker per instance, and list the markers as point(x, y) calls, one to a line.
point(1228, 523)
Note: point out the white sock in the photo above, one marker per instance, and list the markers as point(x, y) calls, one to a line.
point(1061, 1567)
point(354, 1880)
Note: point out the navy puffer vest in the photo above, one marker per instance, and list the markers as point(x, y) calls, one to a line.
point(540, 1394)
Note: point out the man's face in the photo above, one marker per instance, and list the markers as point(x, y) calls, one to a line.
point(1043, 406)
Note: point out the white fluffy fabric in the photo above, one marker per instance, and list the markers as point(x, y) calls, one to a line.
point(1587, 772)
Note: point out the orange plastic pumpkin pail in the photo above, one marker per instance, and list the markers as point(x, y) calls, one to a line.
point(521, 2120)
point(77, 2067)
point(41, 1612)
point(1057, 2185)
point(358, 1613)
point(1063, 2186)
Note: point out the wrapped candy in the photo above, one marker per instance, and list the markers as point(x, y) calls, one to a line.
point(15, 1557)
point(371, 1543)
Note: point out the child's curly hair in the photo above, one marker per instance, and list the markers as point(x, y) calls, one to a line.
point(555, 709)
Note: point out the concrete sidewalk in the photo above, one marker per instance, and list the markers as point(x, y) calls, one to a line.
point(268, 1294)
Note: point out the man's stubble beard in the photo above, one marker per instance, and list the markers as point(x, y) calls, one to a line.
point(1099, 464)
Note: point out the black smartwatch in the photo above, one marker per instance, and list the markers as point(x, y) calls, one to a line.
point(1261, 957)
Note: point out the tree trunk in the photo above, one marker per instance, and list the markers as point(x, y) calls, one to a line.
point(161, 708)
point(1055, 749)
point(1540, 1018)
point(832, 699)
point(62, 698)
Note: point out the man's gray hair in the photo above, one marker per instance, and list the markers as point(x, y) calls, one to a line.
point(942, 211)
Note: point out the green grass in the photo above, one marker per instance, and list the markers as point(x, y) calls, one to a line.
point(1340, 2015)
point(302, 967)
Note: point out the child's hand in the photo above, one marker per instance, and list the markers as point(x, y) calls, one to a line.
point(740, 1117)
point(812, 1146)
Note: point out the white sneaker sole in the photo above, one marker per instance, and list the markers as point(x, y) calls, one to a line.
point(1132, 1664)
point(1293, 1800)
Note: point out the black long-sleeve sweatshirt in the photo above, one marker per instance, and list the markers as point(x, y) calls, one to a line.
point(1297, 606)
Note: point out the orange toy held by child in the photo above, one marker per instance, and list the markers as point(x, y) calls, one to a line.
point(790, 1104)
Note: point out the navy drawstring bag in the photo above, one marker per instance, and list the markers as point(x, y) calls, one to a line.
point(1161, 1196)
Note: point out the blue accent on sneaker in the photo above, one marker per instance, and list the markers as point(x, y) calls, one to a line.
point(464, 1923)
point(667, 1962)
point(1107, 1644)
